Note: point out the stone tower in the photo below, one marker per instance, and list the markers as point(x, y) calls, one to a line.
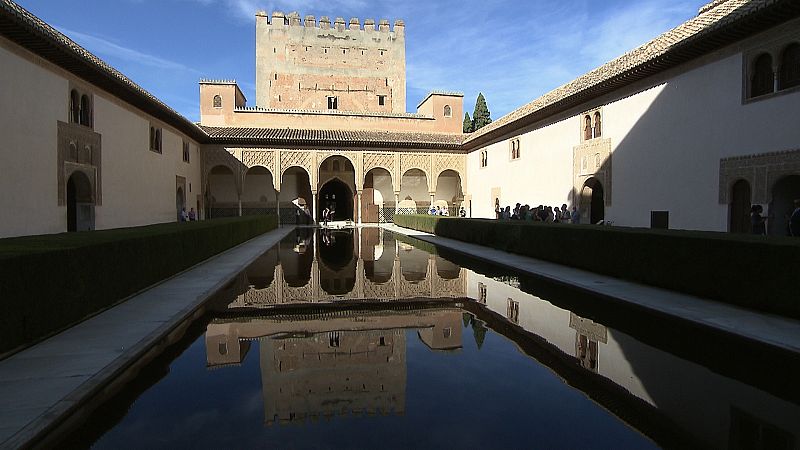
point(305, 65)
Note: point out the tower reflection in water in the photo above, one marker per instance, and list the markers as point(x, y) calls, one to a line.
point(332, 363)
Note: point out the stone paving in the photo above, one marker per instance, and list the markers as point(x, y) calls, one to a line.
point(764, 328)
point(43, 384)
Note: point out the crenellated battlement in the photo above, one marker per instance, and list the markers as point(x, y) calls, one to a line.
point(293, 19)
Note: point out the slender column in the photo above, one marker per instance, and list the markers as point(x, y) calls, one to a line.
point(314, 206)
point(396, 202)
point(278, 207)
point(433, 194)
point(359, 207)
point(240, 206)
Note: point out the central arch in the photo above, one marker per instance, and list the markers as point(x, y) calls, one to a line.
point(739, 220)
point(338, 198)
point(593, 201)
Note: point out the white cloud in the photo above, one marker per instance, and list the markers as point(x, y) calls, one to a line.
point(105, 47)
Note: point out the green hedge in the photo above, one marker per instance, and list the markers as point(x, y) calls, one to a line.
point(52, 281)
point(750, 271)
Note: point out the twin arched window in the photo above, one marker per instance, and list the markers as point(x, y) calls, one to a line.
point(515, 149)
point(763, 77)
point(484, 158)
point(155, 139)
point(217, 101)
point(448, 112)
point(80, 108)
point(592, 126)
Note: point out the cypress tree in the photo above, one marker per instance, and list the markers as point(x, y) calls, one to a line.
point(467, 123)
point(481, 117)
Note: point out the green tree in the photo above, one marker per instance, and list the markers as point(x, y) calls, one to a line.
point(481, 116)
point(467, 123)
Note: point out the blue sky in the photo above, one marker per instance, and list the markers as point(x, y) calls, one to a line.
point(512, 51)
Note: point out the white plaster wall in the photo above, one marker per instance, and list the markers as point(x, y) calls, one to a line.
point(31, 96)
point(667, 139)
point(542, 175)
point(139, 185)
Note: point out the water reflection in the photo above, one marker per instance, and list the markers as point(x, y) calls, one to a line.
point(347, 264)
point(326, 364)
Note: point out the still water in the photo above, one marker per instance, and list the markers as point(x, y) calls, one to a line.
point(355, 339)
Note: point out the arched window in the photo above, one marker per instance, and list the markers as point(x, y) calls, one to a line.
point(587, 128)
point(158, 140)
point(74, 107)
point(790, 67)
point(73, 151)
point(86, 111)
point(152, 138)
point(217, 101)
point(763, 81)
point(598, 127)
point(447, 111)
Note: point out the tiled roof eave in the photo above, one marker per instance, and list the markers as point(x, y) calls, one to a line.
point(727, 32)
point(327, 143)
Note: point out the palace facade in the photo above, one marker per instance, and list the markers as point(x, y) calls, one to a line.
point(686, 131)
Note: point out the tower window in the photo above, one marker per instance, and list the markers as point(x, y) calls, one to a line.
point(381, 100)
point(763, 80)
point(217, 101)
point(448, 112)
point(790, 67)
point(333, 103)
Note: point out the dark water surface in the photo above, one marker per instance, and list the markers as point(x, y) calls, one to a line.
point(448, 353)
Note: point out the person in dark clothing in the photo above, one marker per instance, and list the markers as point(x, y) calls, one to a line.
point(757, 222)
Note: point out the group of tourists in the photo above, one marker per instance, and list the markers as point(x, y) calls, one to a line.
point(191, 216)
point(758, 223)
point(540, 213)
point(438, 211)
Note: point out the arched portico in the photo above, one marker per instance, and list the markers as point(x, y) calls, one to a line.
point(741, 197)
point(295, 195)
point(378, 200)
point(449, 192)
point(259, 195)
point(414, 188)
point(222, 193)
point(337, 189)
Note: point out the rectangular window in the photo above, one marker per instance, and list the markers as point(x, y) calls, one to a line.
point(381, 100)
point(659, 219)
point(333, 103)
point(186, 153)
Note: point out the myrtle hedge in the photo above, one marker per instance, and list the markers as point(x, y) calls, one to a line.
point(749, 271)
point(49, 282)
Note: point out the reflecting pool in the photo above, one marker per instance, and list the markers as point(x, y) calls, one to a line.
point(358, 339)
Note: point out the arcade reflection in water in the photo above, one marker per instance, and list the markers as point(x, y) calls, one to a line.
point(346, 264)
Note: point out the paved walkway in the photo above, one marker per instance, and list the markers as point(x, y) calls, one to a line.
point(43, 384)
point(760, 327)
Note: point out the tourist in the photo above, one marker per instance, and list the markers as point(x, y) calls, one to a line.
point(794, 220)
point(515, 215)
point(550, 216)
point(192, 215)
point(575, 217)
point(498, 212)
point(462, 212)
point(757, 222)
point(556, 214)
point(565, 215)
point(507, 213)
point(325, 216)
point(184, 215)
point(432, 211)
point(437, 211)
point(445, 211)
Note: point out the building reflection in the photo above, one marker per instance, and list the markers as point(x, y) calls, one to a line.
point(326, 364)
point(347, 264)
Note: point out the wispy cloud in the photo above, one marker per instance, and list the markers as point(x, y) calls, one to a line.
point(246, 9)
point(107, 48)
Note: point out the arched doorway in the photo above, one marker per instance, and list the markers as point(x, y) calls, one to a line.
point(180, 202)
point(784, 192)
point(377, 199)
point(448, 191)
point(258, 192)
point(739, 220)
point(80, 203)
point(414, 191)
point(337, 197)
point(295, 196)
point(222, 196)
point(592, 201)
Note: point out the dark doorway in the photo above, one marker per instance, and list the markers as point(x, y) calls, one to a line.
point(80, 205)
point(780, 208)
point(180, 202)
point(592, 201)
point(740, 207)
point(337, 273)
point(336, 195)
